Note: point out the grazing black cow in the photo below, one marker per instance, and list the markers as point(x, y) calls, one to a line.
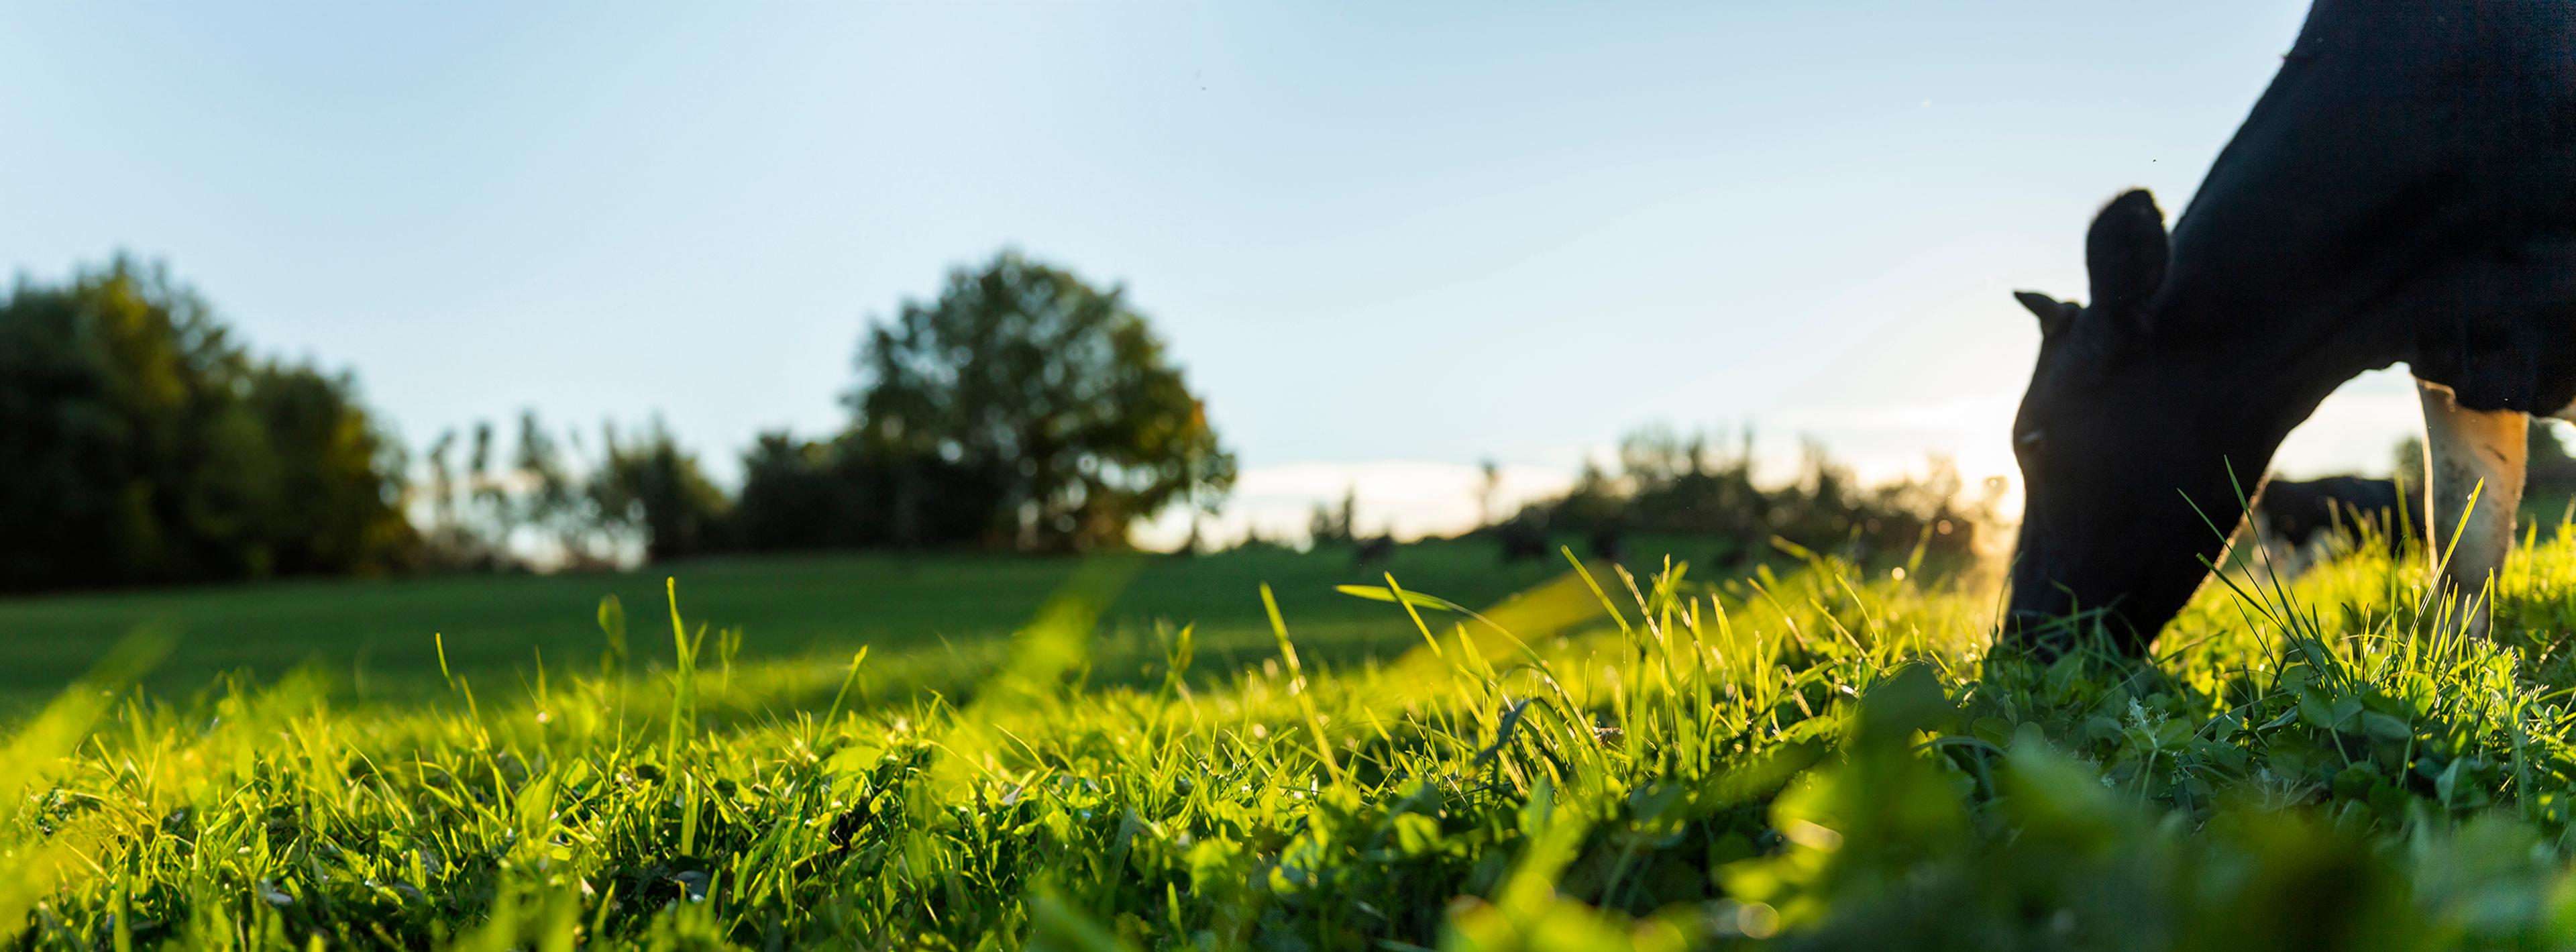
point(2299, 520)
point(2404, 191)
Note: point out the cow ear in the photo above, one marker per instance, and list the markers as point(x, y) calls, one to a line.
point(2055, 316)
point(2127, 251)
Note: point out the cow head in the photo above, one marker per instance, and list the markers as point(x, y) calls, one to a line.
point(2129, 434)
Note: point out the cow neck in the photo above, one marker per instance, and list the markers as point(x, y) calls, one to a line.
point(2272, 371)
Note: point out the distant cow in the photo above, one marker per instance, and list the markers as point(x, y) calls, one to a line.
point(2298, 521)
point(1521, 540)
point(1377, 551)
point(1610, 544)
point(2405, 191)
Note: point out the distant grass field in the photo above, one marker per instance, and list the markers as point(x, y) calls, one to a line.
point(375, 637)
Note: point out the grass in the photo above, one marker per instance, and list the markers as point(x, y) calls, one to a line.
point(375, 638)
point(1821, 759)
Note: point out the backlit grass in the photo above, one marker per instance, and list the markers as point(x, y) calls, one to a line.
point(371, 639)
point(1823, 758)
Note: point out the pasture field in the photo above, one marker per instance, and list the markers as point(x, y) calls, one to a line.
point(949, 612)
point(1825, 758)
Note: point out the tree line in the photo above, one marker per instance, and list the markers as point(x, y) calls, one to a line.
point(1702, 500)
point(1023, 409)
point(1673, 485)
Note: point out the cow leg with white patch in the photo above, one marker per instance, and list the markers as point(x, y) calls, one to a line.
point(2469, 451)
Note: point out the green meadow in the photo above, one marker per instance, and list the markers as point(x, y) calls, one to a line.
point(1268, 750)
point(948, 612)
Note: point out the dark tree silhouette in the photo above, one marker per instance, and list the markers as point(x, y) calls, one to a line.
point(143, 445)
point(1045, 407)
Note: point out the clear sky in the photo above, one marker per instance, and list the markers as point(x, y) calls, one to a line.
point(1387, 240)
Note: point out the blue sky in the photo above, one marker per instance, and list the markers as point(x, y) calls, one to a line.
point(1387, 240)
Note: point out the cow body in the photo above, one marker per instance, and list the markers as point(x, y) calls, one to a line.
point(2404, 192)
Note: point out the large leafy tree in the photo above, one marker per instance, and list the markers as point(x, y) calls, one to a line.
point(139, 444)
point(1044, 408)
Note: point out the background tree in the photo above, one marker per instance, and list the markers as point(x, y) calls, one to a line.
point(1683, 487)
point(1044, 408)
point(1335, 525)
point(1489, 487)
point(832, 494)
point(562, 495)
point(337, 477)
point(790, 500)
point(143, 445)
point(492, 515)
point(651, 483)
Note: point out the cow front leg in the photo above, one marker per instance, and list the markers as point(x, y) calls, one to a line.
point(2469, 451)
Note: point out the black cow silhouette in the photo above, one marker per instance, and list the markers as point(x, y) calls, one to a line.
point(2405, 191)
